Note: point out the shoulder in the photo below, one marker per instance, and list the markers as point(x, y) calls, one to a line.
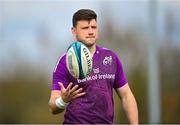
point(61, 60)
point(105, 50)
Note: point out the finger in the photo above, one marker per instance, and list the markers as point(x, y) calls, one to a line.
point(69, 86)
point(61, 85)
point(77, 91)
point(73, 89)
point(79, 95)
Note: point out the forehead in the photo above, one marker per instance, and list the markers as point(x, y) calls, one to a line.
point(86, 22)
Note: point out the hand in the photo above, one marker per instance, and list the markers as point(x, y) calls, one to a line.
point(70, 93)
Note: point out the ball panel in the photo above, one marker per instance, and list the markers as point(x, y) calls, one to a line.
point(77, 47)
point(86, 60)
point(72, 62)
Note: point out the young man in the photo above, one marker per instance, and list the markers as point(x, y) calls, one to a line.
point(91, 100)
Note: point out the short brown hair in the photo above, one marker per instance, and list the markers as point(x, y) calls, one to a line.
point(83, 14)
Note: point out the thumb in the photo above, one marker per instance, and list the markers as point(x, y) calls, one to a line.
point(61, 85)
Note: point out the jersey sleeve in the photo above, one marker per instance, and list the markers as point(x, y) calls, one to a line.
point(120, 78)
point(60, 74)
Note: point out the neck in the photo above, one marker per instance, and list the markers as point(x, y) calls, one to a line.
point(92, 49)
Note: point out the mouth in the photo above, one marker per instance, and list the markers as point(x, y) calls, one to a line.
point(90, 37)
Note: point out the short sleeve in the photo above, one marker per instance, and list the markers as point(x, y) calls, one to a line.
point(120, 78)
point(60, 74)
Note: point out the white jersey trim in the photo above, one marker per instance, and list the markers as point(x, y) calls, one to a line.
point(106, 48)
point(58, 62)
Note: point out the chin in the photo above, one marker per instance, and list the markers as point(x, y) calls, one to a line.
point(90, 43)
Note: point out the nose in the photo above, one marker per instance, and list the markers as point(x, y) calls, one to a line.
point(90, 30)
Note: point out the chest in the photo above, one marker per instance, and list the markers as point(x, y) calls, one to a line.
point(102, 75)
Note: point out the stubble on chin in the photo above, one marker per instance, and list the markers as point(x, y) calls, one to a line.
point(87, 42)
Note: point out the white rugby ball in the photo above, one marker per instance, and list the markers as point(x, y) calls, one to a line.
point(78, 60)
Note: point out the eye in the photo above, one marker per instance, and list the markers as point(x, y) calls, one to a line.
point(94, 27)
point(85, 27)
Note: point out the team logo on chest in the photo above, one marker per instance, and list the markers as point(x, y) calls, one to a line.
point(107, 60)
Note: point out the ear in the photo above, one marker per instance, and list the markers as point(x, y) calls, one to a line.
point(73, 30)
